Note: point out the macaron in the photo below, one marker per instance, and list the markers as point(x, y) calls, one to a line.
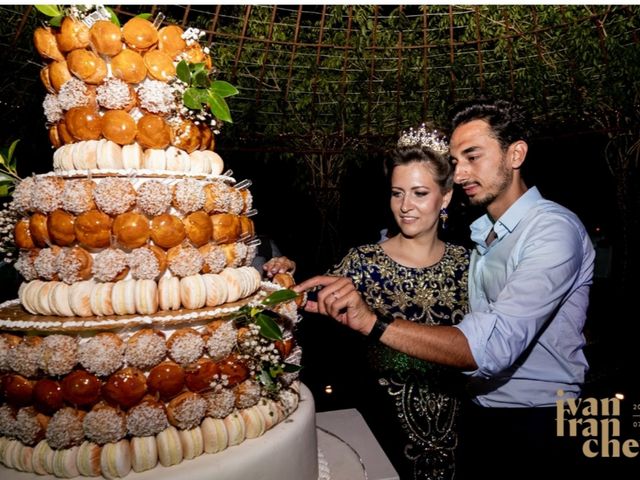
point(214, 435)
point(80, 298)
point(146, 297)
point(42, 458)
point(144, 453)
point(59, 300)
point(254, 422)
point(115, 459)
point(192, 443)
point(193, 293)
point(64, 462)
point(88, 459)
point(169, 447)
point(169, 293)
point(132, 156)
point(216, 289)
point(101, 295)
point(123, 297)
point(236, 429)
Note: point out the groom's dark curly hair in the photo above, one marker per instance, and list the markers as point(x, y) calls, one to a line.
point(509, 121)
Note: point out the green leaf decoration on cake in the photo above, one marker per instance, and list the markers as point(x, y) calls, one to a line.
point(267, 381)
point(54, 12)
point(280, 296)
point(49, 10)
point(192, 98)
point(269, 338)
point(182, 72)
point(224, 89)
point(291, 368)
point(203, 92)
point(8, 169)
point(268, 327)
point(219, 107)
point(114, 17)
point(264, 318)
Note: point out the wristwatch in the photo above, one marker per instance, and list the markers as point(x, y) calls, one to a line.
point(382, 322)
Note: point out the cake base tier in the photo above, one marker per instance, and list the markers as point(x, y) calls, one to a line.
point(288, 451)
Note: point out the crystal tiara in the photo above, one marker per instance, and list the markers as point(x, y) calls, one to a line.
point(422, 137)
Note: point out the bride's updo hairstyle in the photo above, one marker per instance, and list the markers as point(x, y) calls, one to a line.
point(425, 146)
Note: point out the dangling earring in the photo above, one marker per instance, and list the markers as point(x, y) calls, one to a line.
point(443, 217)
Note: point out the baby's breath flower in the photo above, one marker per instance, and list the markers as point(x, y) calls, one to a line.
point(8, 219)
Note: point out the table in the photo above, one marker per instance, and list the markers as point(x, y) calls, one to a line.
point(349, 446)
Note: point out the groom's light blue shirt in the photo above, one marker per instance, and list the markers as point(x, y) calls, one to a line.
point(528, 292)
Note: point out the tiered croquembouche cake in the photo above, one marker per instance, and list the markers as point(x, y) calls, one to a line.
point(142, 336)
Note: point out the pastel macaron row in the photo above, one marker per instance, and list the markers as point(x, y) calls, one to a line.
point(145, 297)
point(107, 155)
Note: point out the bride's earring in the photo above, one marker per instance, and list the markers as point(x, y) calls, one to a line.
point(443, 217)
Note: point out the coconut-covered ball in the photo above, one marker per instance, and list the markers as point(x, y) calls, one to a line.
point(52, 109)
point(25, 357)
point(247, 394)
point(114, 94)
point(154, 198)
point(65, 428)
point(8, 423)
point(23, 195)
point(109, 264)
point(59, 354)
point(220, 403)
point(149, 417)
point(145, 349)
point(144, 264)
point(73, 93)
point(30, 425)
point(77, 196)
point(188, 195)
point(47, 194)
point(222, 339)
point(156, 97)
point(115, 196)
point(187, 410)
point(104, 424)
point(102, 354)
point(46, 262)
point(184, 261)
point(185, 346)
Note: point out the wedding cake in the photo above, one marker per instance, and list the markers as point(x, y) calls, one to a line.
point(142, 336)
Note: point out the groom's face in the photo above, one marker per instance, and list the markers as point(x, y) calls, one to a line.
point(480, 163)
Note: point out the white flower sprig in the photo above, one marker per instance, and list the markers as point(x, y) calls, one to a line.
point(8, 218)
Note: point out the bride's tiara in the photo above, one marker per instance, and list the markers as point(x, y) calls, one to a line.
point(422, 137)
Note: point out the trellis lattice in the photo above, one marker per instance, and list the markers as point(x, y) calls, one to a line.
point(369, 71)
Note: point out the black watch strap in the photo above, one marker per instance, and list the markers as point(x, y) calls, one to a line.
point(382, 322)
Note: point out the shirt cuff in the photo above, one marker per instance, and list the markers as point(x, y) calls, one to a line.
point(477, 328)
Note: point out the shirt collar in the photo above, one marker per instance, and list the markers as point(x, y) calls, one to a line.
point(507, 222)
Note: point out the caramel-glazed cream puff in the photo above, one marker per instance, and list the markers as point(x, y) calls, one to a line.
point(131, 230)
point(105, 38)
point(167, 230)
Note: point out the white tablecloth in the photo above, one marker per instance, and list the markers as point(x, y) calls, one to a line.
point(350, 448)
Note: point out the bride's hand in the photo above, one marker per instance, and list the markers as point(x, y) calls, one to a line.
point(340, 300)
point(279, 265)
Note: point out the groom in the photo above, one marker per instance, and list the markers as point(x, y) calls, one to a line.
point(521, 345)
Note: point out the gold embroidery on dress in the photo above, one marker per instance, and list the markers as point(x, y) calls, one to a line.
point(424, 395)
